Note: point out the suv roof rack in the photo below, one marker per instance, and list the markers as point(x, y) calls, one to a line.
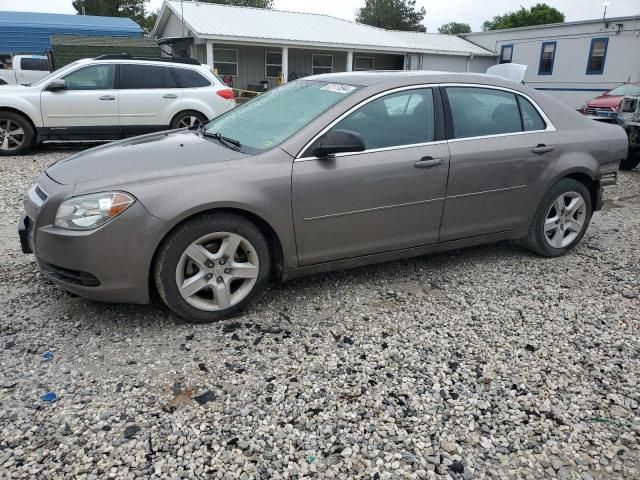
point(127, 56)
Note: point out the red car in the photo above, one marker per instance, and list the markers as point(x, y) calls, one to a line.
point(608, 104)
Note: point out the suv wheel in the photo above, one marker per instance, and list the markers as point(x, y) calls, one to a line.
point(212, 267)
point(561, 220)
point(188, 119)
point(632, 161)
point(16, 134)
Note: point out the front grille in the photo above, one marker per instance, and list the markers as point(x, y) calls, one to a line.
point(75, 277)
point(600, 112)
point(41, 193)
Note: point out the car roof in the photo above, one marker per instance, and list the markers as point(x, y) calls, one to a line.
point(140, 61)
point(413, 77)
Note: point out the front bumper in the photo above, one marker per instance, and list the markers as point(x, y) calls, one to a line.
point(109, 264)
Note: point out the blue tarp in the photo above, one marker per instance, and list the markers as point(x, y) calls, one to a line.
point(27, 32)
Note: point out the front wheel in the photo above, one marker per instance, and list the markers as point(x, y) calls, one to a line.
point(561, 220)
point(212, 267)
point(17, 136)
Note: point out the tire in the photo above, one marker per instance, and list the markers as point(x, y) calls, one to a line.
point(211, 289)
point(632, 161)
point(13, 142)
point(570, 226)
point(188, 118)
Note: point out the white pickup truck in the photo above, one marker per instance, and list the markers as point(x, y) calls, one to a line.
point(26, 69)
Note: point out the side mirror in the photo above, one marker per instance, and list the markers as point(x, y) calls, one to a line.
point(338, 141)
point(56, 86)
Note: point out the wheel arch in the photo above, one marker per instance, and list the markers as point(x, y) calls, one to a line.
point(589, 181)
point(275, 245)
point(22, 114)
point(187, 110)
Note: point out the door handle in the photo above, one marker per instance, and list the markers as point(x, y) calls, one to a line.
point(107, 98)
point(428, 162)
point(541, 149)
point(170, 95)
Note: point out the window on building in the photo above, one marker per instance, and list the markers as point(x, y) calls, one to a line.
point(136, 77)
point(597, 56)
point(363, 63)
point(40, 64)
point(322, 64)
point(506, 53)
point(402, 118)
point(547, 58)
point(95, 77)
point(272, 64)
point(190, 78)
point(225, 60)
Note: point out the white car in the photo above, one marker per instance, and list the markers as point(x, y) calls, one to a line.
point(110, 97)
point(25, 69)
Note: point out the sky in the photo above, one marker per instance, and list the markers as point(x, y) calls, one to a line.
point(473, 12)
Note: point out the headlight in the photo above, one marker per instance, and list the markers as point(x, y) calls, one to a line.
point(91, 211)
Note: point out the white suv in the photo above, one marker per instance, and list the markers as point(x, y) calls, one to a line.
point(110, 97)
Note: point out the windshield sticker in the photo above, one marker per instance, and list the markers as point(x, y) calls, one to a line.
point(337, 88)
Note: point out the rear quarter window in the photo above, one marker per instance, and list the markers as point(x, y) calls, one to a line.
point(188, 78)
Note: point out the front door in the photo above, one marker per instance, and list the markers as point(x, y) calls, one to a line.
point(502, 155)
point(388, 197)
point(88, 104)
point(149, 97)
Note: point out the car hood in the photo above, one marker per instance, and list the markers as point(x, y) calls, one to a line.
point(605, 101)
point(148, 156)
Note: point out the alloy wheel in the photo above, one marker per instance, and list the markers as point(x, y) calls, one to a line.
point(189, 121)
point(217, 271)
point(565, 219)
point(11, 135)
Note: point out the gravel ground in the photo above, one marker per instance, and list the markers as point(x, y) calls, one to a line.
point(484, 362)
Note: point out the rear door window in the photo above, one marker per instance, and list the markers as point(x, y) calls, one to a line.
point(477, 112)
point(137, 77)
point(188, 78)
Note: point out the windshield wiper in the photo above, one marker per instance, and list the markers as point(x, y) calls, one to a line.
point(230, 142)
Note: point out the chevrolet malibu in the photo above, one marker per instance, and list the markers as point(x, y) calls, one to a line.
point(324, 173)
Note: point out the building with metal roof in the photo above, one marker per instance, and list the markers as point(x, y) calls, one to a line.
point(253, 46)
point(28, 32)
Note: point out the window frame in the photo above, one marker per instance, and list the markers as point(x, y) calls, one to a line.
point(553, 57)
point(439, 126)
point(313, 57)
point(604, 55)
point(550, 127)
point(236, 63)
point(373, 63)
point(502, 49)
point(267, 52)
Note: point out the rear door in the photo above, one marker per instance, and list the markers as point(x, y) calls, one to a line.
point(149, 97)
point(503, 150)
point(388, 197)
point(88, 105)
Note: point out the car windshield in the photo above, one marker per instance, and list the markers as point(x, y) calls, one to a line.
point(55, 73)
point(626, 89)
point(273, 117)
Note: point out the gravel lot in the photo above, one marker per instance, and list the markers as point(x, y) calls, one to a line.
point(484, 362)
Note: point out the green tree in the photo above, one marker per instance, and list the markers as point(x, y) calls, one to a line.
point(133, 9)
point(392, 15)
point(455, 28)
point(539, 14)
point(244, 3)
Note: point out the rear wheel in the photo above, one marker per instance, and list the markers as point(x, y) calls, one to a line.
point(561, 220)
point(212, 267)
point(189, 118)
point(17, 136)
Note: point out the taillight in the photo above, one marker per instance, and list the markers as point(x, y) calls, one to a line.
point(226, 93)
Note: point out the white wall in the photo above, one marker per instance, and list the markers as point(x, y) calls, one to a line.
point(569, 81)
